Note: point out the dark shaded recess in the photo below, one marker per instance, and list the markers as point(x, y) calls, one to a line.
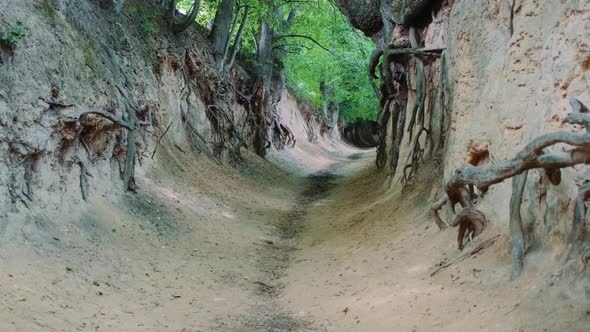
point(402, 11)
point(362, 133)
point(369, 15)
point(364, 15)
point(421, 14)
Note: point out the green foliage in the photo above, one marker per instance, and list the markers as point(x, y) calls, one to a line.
point(344, 70)
point(13, 34)
point(206, 10)
point(148, 30)
point(145, 20)
point(145, 17)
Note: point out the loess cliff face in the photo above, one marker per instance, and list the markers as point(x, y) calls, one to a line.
point(512, 68)
point(510, 88)
point(77, 60)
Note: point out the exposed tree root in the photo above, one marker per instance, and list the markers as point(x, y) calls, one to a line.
point(436, 207)
point(511, 26)
point(394, 98)
point(418, 109)
point(282, 136)
point(415, 158)
point(439, 114)
point(381, 158)
point(424, 140)
point(399, 123)
point(535, 155)
point(227, 137)
point(131, 125)
point(20, 190)
point(117, 119)
point(579, 231)
point(84, 174)
point(160, 139)
point(471, 223)
point(516, 229)
point(417, 51)
point(374, 62)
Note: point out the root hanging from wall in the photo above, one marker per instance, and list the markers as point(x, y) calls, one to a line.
point(459, 189)
point(428, 121)
point(384, 117)
point(471, 222)
point(218, 95)
point(516, 229)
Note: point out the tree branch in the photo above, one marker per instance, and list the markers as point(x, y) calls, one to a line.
point(305, 37)
point(459, 189)
point(418, 51)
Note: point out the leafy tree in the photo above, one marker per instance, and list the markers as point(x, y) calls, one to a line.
point(318, 46)
point(342, 68)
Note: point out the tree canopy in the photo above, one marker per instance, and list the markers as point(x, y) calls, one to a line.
point(320, 48)
point(343, 69)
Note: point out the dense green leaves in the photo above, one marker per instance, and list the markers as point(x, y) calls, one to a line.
point(343, 69)
point(343, 66)
point(14, 33)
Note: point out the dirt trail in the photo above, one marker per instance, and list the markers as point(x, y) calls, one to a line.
point(276, 259)
point(202, 247)
point(365, 256)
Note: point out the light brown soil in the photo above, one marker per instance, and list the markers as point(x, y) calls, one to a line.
point(202, 247)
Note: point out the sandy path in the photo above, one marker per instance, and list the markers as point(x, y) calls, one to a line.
point(205, 248)
point(365, 257)
point(184, 254)
point(200, 247)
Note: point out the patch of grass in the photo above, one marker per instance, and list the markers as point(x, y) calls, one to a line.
point(148, 30)
point(130, 10)
point(13, 34)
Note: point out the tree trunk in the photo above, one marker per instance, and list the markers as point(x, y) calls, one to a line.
point(265, 100)
point(234, 23)
point(236, 47)
point(186, 22)
point(220, 34)
point(263, 96)
point(333, 120)
point(325, 99)
point(265, 60)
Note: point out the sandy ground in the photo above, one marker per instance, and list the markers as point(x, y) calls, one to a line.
point(203, 247)
point(185, 253)
point(366, 256)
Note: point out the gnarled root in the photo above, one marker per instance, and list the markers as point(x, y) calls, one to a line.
point(516, 229)
point(579, 231)
point(534, 155)
point(436, 214)
point(374, 62)
point(382, 147)
point(282, 136)
point(471, 224)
